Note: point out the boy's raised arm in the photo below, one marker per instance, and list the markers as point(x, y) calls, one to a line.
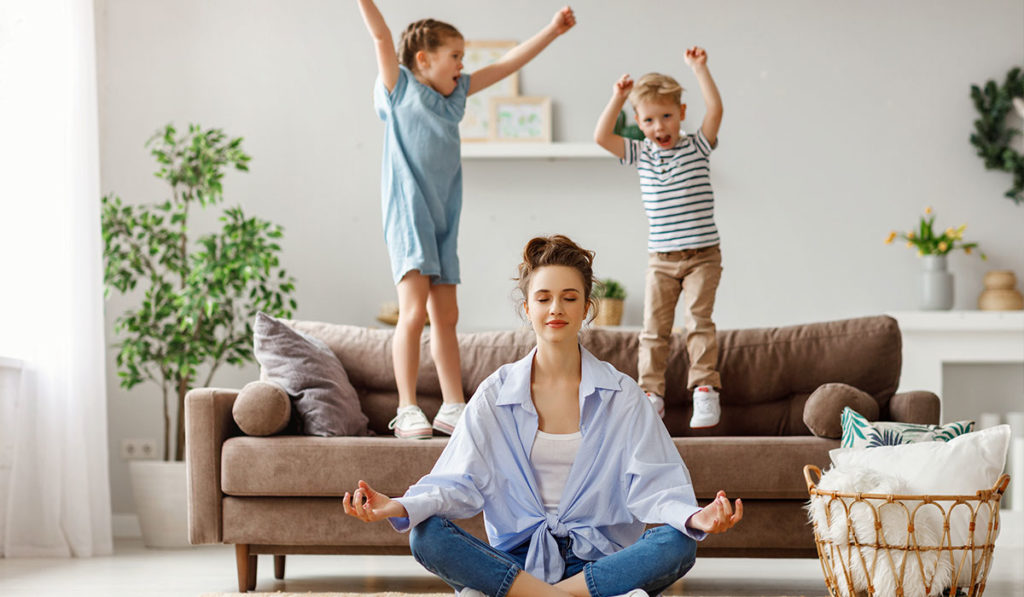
point(387, 60)
point(697, 58)
point(603, 132)
point(518, 56)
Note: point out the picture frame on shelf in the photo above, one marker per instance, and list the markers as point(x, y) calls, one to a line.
point(523, 118)
point(478, 54)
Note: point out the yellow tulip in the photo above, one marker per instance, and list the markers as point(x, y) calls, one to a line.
point(927, 211)
point(910, 236)
point(920, 253)
point(943, 246)
point(967, 250)
point(909, 244)
point(891, 236)
point(950, 232)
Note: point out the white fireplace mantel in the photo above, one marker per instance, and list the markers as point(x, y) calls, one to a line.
point(932, 339)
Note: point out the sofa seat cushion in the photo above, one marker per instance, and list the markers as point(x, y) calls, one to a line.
point(767, 468)
point(291, 466)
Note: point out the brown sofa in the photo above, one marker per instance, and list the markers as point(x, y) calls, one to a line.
point(280, 494)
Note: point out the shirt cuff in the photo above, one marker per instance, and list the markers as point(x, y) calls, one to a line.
point(678, 514)
point(418, 510)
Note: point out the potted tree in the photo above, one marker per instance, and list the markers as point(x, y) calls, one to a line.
point(610, 296)
point(197, 297)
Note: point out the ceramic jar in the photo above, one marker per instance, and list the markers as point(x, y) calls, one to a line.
point(1000, 292)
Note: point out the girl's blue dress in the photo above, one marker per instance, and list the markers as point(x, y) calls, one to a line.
point(421, 176)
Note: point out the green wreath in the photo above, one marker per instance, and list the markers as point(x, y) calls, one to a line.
point(993, 136)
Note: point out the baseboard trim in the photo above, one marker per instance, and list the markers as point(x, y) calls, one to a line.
point(126, 526)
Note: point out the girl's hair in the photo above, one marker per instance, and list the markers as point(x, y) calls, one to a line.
point(426, 35)
point(557, 250)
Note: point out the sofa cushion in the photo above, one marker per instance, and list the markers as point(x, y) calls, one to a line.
point(747, 467)
point(306, 368)
point(775, 369)
point(262, 408)
point(860, 432)
point(824, 409)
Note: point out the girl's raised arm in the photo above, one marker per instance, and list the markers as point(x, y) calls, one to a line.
point(514, 60)
point(387, 60)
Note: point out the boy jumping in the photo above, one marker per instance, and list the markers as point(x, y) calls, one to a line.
point(682, 238)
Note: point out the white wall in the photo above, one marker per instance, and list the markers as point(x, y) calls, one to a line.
point(842, 121)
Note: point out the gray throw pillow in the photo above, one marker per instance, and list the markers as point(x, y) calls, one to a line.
point(323, 398)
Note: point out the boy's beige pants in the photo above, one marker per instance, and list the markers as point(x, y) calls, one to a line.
point(695, 273)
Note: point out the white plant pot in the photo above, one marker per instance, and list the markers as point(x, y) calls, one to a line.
point(160, 492)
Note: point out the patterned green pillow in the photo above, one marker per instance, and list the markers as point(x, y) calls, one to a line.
point(858, 432)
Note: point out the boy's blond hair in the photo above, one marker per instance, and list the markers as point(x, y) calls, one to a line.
point(656, 87)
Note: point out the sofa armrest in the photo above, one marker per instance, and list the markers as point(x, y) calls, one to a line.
point(208, 423)
point(915, 407)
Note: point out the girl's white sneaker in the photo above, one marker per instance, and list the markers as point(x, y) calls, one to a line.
point(448, 416)
point(634, 593)
point(468, 592)
point(410, 423)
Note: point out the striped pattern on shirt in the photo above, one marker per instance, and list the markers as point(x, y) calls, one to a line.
point(675, 185)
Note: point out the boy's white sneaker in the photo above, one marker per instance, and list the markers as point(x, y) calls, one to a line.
point(634, 593)
point(706, 409)
point(410, 423)
point(468, 592)
point(448, 416)
point(658, 403)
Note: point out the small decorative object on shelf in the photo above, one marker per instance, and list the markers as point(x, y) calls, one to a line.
point(993, 135)
point(937, 282)
point(610, 296)
point(1000, 292)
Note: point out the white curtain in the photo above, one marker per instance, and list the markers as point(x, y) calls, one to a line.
point(53, 426)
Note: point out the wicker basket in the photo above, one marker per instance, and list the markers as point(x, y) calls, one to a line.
point(871, 560)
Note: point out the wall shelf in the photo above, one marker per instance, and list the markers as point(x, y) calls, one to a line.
point(528, 150)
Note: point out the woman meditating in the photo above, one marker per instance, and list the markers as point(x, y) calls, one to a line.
point(568, 461)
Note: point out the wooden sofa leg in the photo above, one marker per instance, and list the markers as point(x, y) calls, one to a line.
point(246, 563)
point(279, 567)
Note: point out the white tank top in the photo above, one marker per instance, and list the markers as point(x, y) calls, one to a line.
point(552, 456)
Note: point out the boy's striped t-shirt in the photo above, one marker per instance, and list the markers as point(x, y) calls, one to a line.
point(675, 185)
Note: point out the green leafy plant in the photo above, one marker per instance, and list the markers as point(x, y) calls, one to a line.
point(928, 242)
point(626, 129)
point(609, 289)
point(197, 300)
point(992, 136)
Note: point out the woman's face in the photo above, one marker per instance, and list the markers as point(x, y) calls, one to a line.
point(556, 304)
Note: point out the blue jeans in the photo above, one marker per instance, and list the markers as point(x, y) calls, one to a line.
point(661, 557)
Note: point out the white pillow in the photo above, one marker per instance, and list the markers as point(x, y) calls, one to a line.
point(962, 466)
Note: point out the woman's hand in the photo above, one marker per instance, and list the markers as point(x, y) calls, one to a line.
point(564, 20)
point(718, 516)
point(369, 506)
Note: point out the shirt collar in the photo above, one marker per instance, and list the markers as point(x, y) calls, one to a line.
point(595, 375)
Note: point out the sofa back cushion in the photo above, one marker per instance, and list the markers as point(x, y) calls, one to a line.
point(767, 373)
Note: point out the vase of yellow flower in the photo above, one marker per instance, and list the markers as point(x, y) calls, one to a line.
point(936, 281)
point(936, 284)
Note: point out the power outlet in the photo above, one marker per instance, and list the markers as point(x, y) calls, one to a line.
point(138, 449)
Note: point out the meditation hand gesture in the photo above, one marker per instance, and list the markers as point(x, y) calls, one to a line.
point(563, 21)
point(622, 87)
point(718, 516)
point(369, 506)
point(696, 56)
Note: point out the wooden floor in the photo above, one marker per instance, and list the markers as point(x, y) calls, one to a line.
point(135, 571)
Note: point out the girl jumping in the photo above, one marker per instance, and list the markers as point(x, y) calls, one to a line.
point(420, 94)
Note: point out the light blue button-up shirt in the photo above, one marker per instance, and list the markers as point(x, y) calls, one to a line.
point(627, 471)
